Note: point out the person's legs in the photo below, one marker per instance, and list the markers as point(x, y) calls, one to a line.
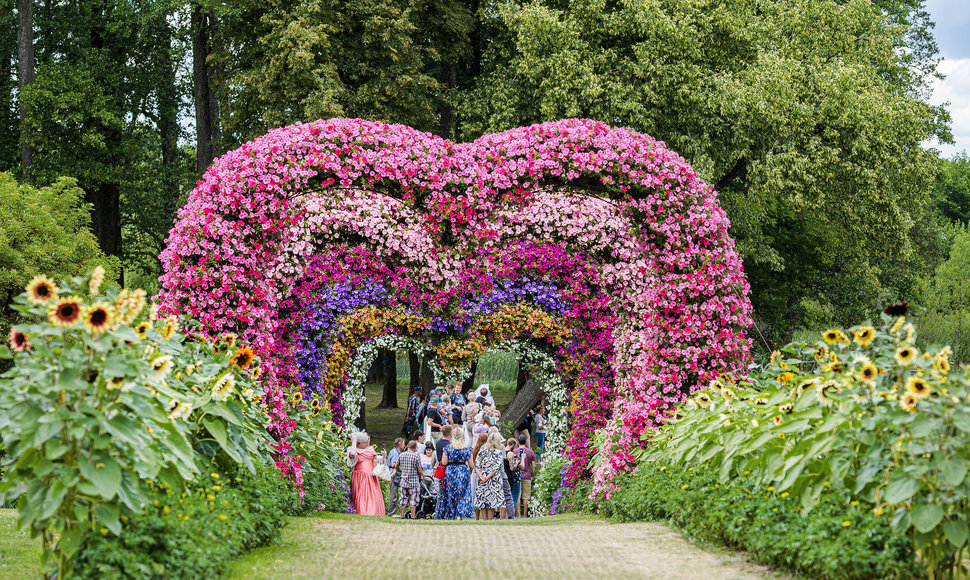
point(526, 496)
point(516, 490)
point(392, 497)
point(540, 443)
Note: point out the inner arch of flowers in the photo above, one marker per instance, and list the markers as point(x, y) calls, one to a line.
point(604, 230)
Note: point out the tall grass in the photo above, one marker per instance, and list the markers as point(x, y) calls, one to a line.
point(498, 369)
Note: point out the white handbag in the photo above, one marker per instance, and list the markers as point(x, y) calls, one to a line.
point(381, 471)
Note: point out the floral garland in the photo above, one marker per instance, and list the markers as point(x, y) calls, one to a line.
point(636, 245)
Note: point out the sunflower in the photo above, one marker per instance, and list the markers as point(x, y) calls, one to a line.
point(786, 408)
point(897, 325)
point(41, 289)
point(761, 402)
point(65, 312)
point(777, 420)
point(142, 329)
point(785, 377)
point(170, 327)
point(161, 367)
point(298, 397)
point(223, 388)
point(178, 410)
point(315, 404)
point(229, 338)
point(243, 357)
point(821, 353)
point(868, 372)
point(864, 336)
point(775, 355)
point(728, 394)
point(941, 365)
point(910, 332)
point(97, 277)
point(909, 402)
point(905, 355)
point(119, 383)
point(824, 392)
point(831, 335)
point(918, 387)
point(98, 317)
point(19, 341)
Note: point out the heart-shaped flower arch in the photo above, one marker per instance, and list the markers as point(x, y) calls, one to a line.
point(289, 234)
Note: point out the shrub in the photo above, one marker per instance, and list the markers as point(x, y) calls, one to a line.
point(191, 533)
point(43, 230)
point(863, 413)
point(96, 405)
point(946, 319)
point(841, 539)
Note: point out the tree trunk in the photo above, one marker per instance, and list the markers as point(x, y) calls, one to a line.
point(204, 94)
point(414, 366)
point(105, 196)
point(469, 383)
point(525, 399)
point(168, 127)
point(388, 360)
point(361, 423)
point(446, 113)
point(427, 376)
point(25, 72)
point(521, 378)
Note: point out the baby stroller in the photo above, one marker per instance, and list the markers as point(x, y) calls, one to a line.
point(427, 504)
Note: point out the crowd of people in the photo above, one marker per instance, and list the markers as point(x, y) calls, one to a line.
point(457, 464)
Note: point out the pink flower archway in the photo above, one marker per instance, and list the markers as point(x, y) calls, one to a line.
point(296, 230)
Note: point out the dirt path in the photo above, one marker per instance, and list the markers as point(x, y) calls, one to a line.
point(556, 548)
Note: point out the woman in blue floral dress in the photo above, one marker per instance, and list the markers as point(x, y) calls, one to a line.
point(455, 499)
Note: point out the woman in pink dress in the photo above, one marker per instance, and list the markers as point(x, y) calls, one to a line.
point(365, 489)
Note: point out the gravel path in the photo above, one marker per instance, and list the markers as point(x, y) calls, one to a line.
point(555, 547)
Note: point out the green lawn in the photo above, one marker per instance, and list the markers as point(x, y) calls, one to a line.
point(19, 554)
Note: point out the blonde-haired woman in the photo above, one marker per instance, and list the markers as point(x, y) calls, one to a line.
point(365, 489)
point(457, 501)
point(490, 493)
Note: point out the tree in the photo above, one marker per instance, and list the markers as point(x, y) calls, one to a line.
point(803, 114)
point(25, 67)
point(951, 190)
point(946, 318)
point(204, 86)
point(387, 359)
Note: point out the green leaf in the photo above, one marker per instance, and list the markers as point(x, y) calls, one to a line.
point(921, 426)
point(961, 421)
point(5, 352)
point(926, 516)
point(956, 532)
point(218, 431)
point(901, 487)
point(108, 514)
point(103, 474)
point(954, 470)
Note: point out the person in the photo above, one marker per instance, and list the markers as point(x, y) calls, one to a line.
point(480, 441)
point(527, 465)
point(428, 463)
point(422, 418)
point(421, 439)
point(439, 447)
point(411, 473)
point(411, 416)
point(514, 474)
point(524, 428)
point(457, 401)
point(489, 495)
point(365, 489)
point(434, 420)
point(539, 420)
point(444, 411)
point(454, 501)
point(485, 392)
point(394, 484)
point(440, 444)
point(468, 419)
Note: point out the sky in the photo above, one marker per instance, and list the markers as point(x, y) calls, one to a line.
point(952, 32)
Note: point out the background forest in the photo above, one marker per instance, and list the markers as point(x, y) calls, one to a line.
point(810, 117)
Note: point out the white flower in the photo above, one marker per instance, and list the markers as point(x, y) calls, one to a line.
point(223, 388)
point(161, 367)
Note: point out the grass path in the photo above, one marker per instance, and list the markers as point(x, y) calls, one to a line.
point(559, 547)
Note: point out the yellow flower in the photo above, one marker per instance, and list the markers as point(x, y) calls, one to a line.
point(775, 355)
point(760, 402)
point(864, 336)
point(868, 372)
point(243, 357)
point(846, 524)
point(142, 329)
point(918, 387)
point(941, 365)
point(905, 355)
point(910, 332)
point(820, 353)
point(909, 402)
point(65, 312)
point(824, 391)
point(777, 420)
point(703, 399)
point(223, 388)
point(786, 408)
point(831, 335)
point(785, 377)
point(178, 410)
point(98, 318)
point(161, 367)
point(41, 289)
point(97, 277)
point(170, 327)
point(728, 394)
point(897, 325)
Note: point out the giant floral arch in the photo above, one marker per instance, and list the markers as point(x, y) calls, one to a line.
point(317, 230)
